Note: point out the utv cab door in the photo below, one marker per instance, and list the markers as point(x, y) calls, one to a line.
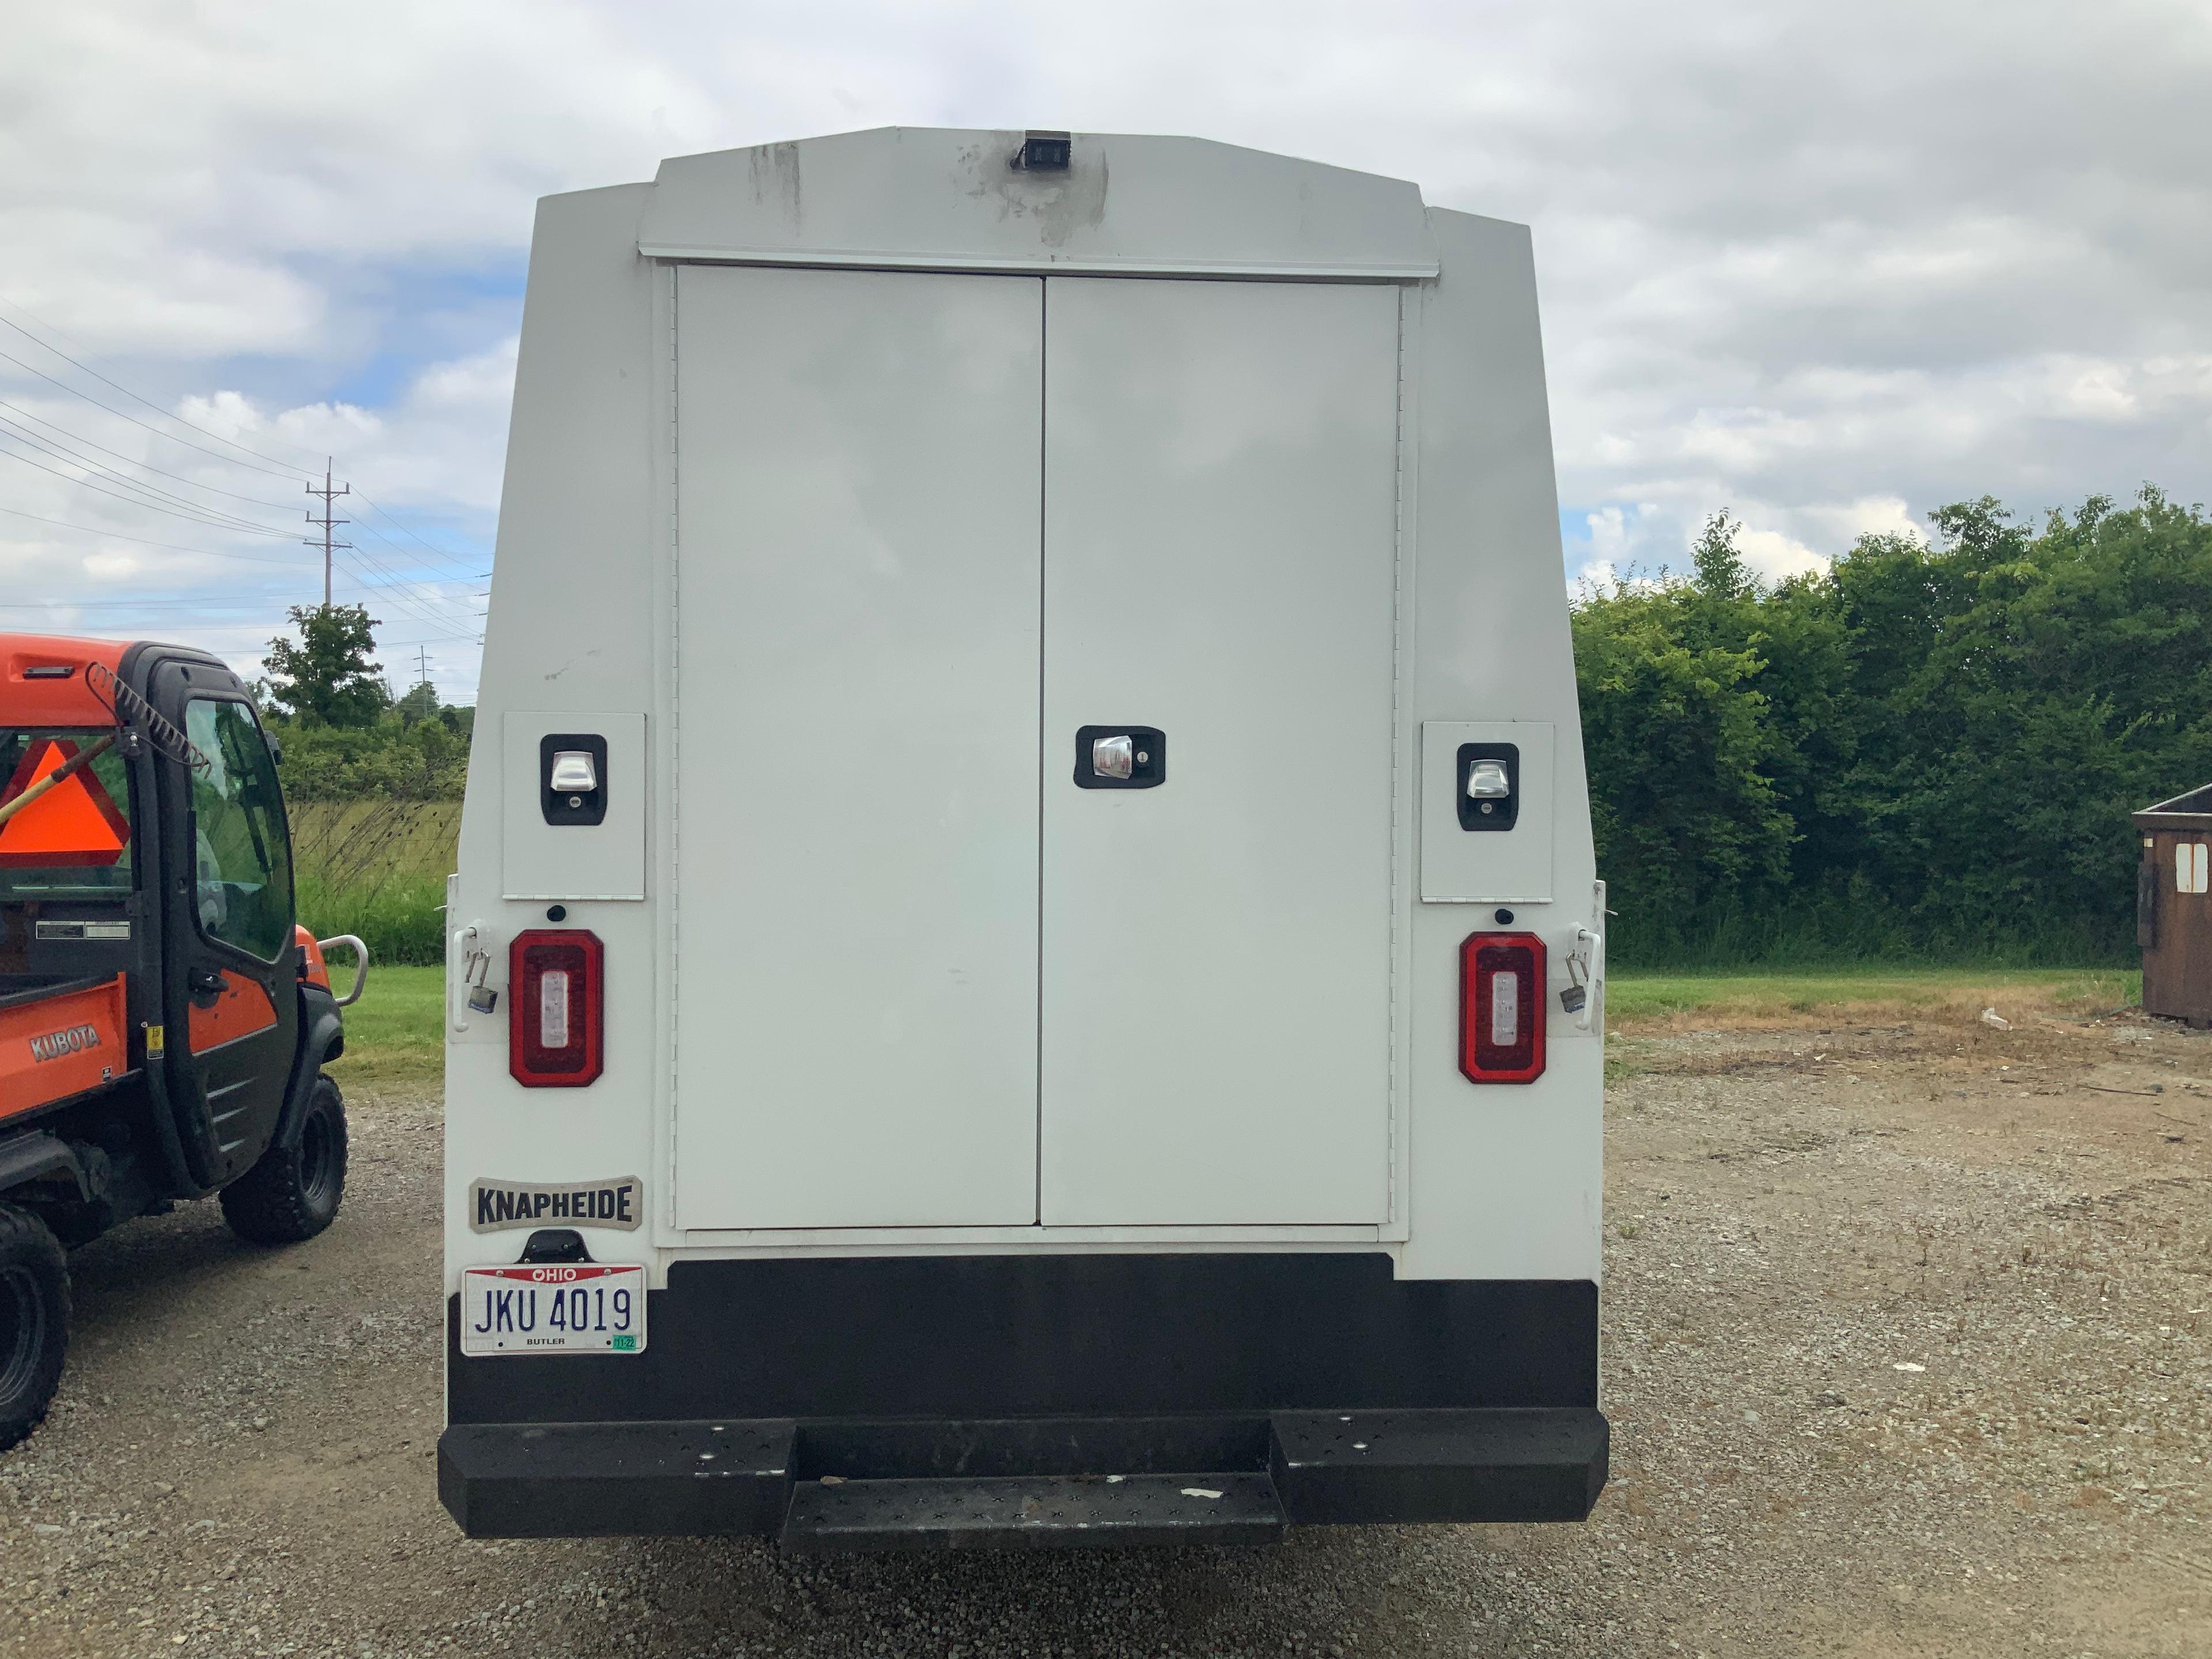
point(230, 996)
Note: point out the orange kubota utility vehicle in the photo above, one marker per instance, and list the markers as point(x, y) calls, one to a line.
point(163, 1022)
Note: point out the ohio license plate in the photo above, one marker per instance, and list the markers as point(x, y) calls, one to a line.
point(581, 1309)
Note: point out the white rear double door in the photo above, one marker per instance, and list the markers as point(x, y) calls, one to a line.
point(929, 527)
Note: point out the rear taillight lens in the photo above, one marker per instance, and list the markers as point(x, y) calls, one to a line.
point(1501, 1008)
point(555, 1000)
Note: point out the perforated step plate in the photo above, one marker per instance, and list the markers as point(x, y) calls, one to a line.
point(1040, 1513)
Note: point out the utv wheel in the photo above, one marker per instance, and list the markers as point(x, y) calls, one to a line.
point(34, 1321)
point(293, 1193)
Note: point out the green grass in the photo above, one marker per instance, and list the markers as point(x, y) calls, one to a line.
point(402, 917)
point(1661, 996)
point(396, 1034)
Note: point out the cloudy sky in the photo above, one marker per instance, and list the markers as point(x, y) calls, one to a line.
point(1829, 266)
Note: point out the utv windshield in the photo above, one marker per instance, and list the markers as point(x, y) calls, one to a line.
point(71, 840)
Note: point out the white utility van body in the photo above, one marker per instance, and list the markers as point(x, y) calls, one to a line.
point(1026, 963)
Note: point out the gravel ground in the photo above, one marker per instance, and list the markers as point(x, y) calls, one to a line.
point(1907, 1346)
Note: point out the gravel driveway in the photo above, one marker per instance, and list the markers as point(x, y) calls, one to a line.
point(1907, 1346)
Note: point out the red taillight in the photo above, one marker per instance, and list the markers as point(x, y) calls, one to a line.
point(1501, 1008)
point(557, 992)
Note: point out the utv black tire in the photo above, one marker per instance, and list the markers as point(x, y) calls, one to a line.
point(34, 1321)
point(294, 1192)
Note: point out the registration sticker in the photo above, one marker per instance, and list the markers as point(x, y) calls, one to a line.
point(584, 1308)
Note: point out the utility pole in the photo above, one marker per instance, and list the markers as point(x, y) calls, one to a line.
point(328, 524)
point(423, 664)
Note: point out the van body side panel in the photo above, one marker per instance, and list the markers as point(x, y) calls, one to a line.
point(857, 482)
point(576, 605)
point(1506, 1180)
point(1219, 539)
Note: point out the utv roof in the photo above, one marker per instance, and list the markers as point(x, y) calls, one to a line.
point(34, 689)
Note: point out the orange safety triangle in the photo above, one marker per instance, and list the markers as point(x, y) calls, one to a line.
point(73, 823)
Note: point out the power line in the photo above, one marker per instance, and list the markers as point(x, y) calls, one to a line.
point(151, 497)
point(443, 555)
point(143, 467)
point(402, 528)
point(393, 581)
point(448, 567)
point(136, 397)
point(157, 604)
point(419, 609)
point(155, 495)
point(172, 547)
point(79, 392)
point(207, 517)
point(87, 483)
point(148, 497)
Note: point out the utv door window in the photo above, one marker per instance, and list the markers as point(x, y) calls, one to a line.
point(243, 881)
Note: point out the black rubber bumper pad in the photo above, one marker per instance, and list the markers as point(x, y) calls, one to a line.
point(616, 1479)
point(1527, 1464)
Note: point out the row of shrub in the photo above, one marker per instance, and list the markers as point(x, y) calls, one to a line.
point(394, 759)
point(1922, 751)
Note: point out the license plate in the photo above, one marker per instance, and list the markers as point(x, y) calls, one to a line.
point(583, 1308)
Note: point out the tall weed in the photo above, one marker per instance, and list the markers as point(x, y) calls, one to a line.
point(376, 869)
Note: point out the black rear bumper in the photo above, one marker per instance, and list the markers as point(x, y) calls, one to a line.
point(911, 1402)
point(1033, 1481)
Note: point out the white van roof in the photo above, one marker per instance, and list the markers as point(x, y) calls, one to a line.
point(949, 199)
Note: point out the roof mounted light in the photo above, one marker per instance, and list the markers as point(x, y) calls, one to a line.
point(1044, 152)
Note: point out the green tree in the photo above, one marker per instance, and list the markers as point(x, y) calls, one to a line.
point(420, 703)
point(330, 677)
point(1679, 741)
point(1721, 571)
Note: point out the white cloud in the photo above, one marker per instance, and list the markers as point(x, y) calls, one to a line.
point(1875, 515)
point(1826, 266)
point(1773, 556)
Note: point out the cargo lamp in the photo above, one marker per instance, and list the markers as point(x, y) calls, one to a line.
point(557, 1008)
point(1501, 1008)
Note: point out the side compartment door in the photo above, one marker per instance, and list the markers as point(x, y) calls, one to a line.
point(857, 465)
point(232, 999)
point(1220, 546)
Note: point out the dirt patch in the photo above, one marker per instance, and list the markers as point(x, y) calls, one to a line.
point(1909, 1343)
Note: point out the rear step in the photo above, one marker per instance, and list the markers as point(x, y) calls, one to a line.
point(1048, 1512)
point(856, 1484)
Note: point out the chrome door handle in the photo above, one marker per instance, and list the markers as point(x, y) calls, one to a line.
point(1119, 757)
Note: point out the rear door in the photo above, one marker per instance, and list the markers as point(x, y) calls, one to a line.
point(858, 463)
point(1219, 557)
point(232, 999)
